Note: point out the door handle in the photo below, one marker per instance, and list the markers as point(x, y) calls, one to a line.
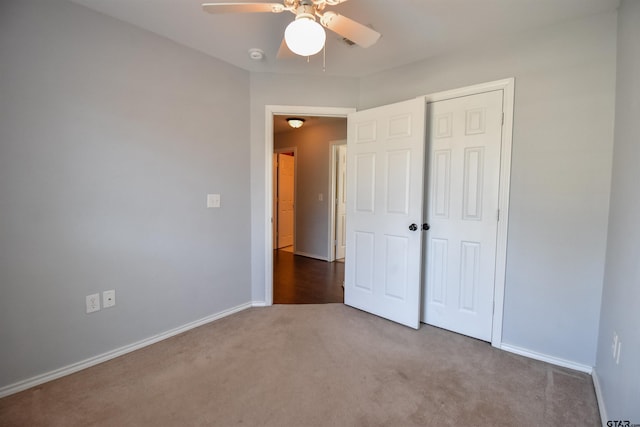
point(413, 227)
point(425, 226)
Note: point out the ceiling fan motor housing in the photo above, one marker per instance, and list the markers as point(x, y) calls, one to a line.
point(306, 11)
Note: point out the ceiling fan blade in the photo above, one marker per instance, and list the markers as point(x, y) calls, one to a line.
point(284, 52)
point(242, 7)
point(359, 34)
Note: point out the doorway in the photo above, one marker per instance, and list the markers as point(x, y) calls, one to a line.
point(284, 173)
point(304, 270)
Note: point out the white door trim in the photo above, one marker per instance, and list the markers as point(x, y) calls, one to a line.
point(270, 111)
point(507, 85)
point(333, 156)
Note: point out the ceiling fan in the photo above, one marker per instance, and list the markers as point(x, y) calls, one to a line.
point(304, 36)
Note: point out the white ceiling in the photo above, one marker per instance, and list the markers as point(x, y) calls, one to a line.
point(411, 29)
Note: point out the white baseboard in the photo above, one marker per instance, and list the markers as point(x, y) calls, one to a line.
point(546, 358)
point(321, 258)
point(92, 361)
point(599, 398)
point(258, 304)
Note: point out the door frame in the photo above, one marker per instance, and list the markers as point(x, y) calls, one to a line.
point(270, 112)
point(508, 87)
point(333, 170)
point(293, 150)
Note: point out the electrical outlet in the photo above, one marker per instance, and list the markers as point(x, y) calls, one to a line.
point(93, 303)
point(108, 298)
point(614, 345)
point(213, 200)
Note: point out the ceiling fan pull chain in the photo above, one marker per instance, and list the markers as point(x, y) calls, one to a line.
point(324, 58)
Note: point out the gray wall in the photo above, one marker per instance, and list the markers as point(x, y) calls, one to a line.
point(561, 166)
point(275, 89)
point(313, 156)
point(620, 383)
point(110, 138)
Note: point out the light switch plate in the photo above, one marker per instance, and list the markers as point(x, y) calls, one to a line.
point(213, 200)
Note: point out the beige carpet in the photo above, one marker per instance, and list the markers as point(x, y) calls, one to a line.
point(311, 365)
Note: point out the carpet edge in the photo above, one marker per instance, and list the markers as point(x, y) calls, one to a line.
point(100, 358)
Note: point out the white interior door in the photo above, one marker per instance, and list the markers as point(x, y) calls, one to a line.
point(341, 202)
point(462, 210)
point(286, 195)
point(385, 163)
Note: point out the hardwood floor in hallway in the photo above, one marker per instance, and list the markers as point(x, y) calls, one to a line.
point(301, 280)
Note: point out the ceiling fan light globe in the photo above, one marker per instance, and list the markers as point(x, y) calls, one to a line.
point(305, 37)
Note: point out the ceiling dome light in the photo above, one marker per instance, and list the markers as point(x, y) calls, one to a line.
point(304, 36)
point(295, 122)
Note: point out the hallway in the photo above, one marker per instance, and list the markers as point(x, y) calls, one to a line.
point(301, 280)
